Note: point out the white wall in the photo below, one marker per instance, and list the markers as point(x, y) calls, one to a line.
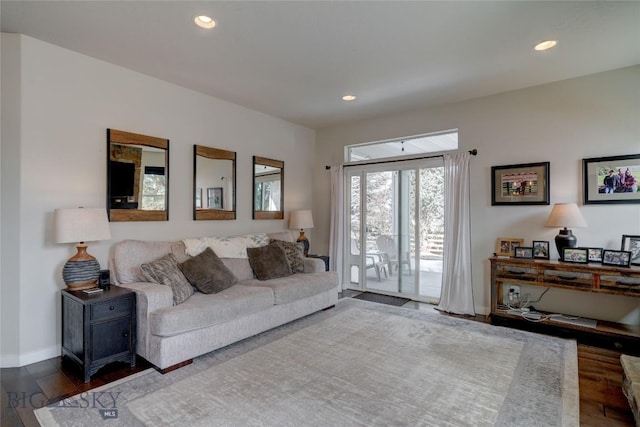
point(54, 132)
point(562, 122)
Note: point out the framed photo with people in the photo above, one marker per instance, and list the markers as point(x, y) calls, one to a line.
point(521, 184)
point(541, 249)
point(595, 254)
point(523, 252)
point(577, 255)
point(617, 258)
point(611, 179)
point(506, 246)
point(632, 245)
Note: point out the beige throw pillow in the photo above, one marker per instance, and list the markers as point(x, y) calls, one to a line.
point(165, 271)
point(294, 252)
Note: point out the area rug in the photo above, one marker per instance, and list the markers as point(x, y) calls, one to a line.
point(382, 299)
point(359, 364)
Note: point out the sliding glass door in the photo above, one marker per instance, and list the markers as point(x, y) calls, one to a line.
point(394, 228)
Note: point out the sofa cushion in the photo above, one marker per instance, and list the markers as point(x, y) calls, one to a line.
point(202, 310)
point(208, 273)
point(240, 268)
point(269, 262)
point(128, 255)
point(165, 271)
point(295, 254)
point(297, 286)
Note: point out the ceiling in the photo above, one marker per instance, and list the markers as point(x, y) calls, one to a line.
point(296, 59)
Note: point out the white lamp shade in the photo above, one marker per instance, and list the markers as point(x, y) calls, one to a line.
point(565, 215)
point(81, 225)
point(301, 219)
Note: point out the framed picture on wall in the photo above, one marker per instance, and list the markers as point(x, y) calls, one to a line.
point(522, 184)
point(214, 198)
point(611, 179)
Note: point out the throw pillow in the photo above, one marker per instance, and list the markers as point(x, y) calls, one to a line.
point(165, 271)
point(208, 273)
point(294, 252)
point(269, 262)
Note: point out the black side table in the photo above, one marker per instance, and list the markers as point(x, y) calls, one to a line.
point(325, 258)
point(99, 329)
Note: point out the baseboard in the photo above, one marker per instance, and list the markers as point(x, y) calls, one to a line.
point(18, 360)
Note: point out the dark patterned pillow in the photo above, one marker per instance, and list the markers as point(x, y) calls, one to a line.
point(294, 252)
point(269, 262)
point(165, 271)
point(208, 273)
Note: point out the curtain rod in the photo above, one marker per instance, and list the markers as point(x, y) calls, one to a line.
point(473, 152)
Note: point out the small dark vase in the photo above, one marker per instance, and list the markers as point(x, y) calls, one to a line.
point(565, 239)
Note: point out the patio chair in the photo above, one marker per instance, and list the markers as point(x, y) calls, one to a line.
point(370, 261)
point(388, 249)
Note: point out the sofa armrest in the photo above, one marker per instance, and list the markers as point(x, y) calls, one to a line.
point(152, 295)
point(149, 298)
point(313, 265)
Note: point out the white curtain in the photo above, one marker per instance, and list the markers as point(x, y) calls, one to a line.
point(336, 241)
point(457, 288)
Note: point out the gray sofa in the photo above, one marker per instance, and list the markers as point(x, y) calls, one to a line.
point(168, 335)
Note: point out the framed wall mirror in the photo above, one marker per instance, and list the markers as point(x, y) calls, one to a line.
point(268, 188)
point(214, 183)
point(137, 177)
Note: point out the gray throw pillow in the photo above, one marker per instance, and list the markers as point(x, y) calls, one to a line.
point(165, 271)
point(208, 273)
point(294, 252)
point(269, 262)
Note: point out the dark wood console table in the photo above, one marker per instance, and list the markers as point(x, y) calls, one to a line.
point(593, 278)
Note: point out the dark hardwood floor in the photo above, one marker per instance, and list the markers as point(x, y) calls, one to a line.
point(24, 389)
point(34, 386)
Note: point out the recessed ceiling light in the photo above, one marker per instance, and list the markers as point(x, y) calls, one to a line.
point(204, 22)
point(547, 44)
point(349, 98)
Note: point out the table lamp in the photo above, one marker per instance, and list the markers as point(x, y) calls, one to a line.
point(565, 215)
point(302, 219)
point(81, 225)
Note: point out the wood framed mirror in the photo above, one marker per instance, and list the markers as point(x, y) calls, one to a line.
point(137, 177)
point(268, 188)
point(214, 183)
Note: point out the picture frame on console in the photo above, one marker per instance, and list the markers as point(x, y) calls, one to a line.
point(632, 245)
point(541, 249)
point(575, 255)
point(611, 179)
point(617, 258)
point(505, 246)
point(523, 252)
point(595, 254)
point(521, 184)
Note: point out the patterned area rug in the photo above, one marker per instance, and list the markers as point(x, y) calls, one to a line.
point(358, 364)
